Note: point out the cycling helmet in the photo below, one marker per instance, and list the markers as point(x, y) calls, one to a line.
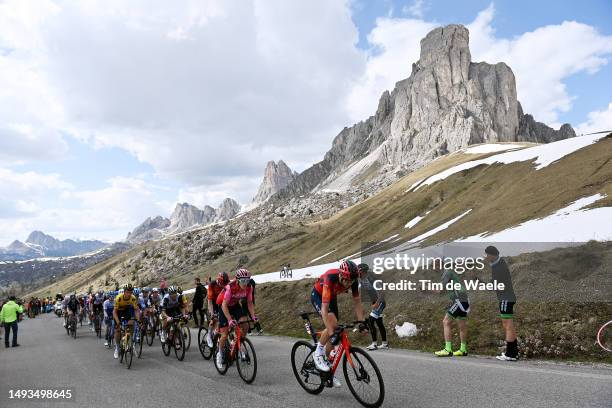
point(243, 273)
point(172, 290)
point(155, 290)
point(179, 290)
point(223, 278)
point(120, 292)
point(146, 289)
point(363, 267)
point(100, 292)
point(348, 270)
point(128, 287)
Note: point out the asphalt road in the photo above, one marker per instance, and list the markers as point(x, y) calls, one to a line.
point(49, 359)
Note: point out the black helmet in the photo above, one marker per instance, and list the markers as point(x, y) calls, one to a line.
point(128, 287)
point(363, 267)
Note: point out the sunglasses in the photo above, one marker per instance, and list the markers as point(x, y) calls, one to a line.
point(244, 281)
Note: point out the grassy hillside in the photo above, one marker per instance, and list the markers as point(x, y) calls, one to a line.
point(500, 196)
point(557, 314)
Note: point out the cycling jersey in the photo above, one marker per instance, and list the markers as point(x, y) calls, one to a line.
point(98, 299)
point(72, 304)
point(329, 286)
point(214, 289)
point(122, 304)
point(172, 307)
point(153, 301)
point(108, 308)
point(233, 294)
point(142, 302)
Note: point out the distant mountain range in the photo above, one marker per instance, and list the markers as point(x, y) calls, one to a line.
point(184, 217)
point(38, 245)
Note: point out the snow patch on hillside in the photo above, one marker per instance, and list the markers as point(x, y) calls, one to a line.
point(573, 223)
point(543, 155)
point(343, 182)
point(491, 148)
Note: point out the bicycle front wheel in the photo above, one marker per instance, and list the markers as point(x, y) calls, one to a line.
point(363, 378)
point(246, 361)
point(150, 333)
point(179, 345)
point(205, 350)
point(304, 368)
point(186, 336)
point(604, 336)
point(129, 351)
point(166, 345)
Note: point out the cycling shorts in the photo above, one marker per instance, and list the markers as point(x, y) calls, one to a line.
point(458, 310)
point(377, 313)
point(126, 314)
point(317, 301)
point(506, 309)
point(237, 311)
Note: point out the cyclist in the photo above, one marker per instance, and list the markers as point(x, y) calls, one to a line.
point(97, 304)
point(143, 298)
point(214, 289)
point(324, 299)
point(73, 307)
point(108, 307)
point(236, 303)
point(173, 306)
point(126, 308)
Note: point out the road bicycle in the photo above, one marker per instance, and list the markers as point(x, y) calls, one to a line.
point(207, 351)
point(240, 350)
point(360, 371)
point(71, 327)
point(126, 343)
point(97, 322)
point(604, 336)
point(183, 325)
point(174, 340)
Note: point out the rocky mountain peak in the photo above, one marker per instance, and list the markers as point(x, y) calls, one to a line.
point(227, 210)
point(276, 177)
point(42, 239)
point(186, 215)
point(446, 104)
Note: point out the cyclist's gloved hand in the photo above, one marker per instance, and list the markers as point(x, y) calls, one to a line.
point(255, 318)
point(232, 323)
point(363, 327)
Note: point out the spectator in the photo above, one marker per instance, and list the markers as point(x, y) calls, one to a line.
point(257, 324)
point(377, 301)
point(8, 316)
point(163, 286)
point(506, 299)
point(198, 302)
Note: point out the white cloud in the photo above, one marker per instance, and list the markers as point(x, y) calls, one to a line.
point(32, 201)
point(197, 89)
point(597, 121)
point(416, 9)
point(541, 60)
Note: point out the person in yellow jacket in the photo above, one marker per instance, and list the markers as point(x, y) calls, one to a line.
point(8, 317)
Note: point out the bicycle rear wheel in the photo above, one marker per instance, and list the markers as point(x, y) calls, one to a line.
point(222, 370)
point(179, 345)
point(304, 368)
point(363, 378)
point(604, 336)
point(246, 361)
point(139, 343)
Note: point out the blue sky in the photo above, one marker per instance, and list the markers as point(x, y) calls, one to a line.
point(111, 115)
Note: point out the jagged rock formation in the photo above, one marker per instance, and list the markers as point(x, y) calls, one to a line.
point(151, 228)
point(227, 210)
point(446, 104)
point(186, 215)
point(39, 244)
point(276, 177)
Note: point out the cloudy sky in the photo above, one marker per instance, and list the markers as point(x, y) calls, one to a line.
point(114, 110)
